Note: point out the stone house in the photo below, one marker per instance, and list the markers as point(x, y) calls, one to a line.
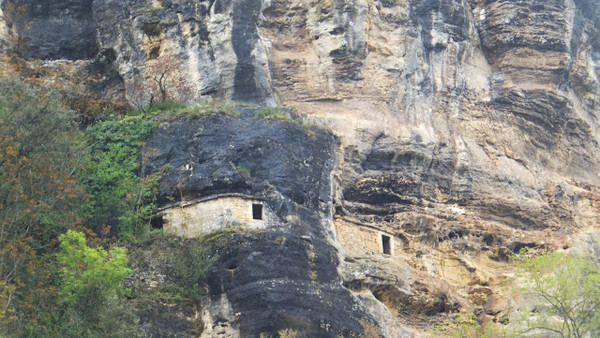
point(357, 237)
point(194, 218)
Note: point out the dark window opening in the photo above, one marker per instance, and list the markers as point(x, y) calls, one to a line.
point(157, 222)
point(488, 239)
point(454, 234)
point(257, 211)
point(385, 243)
point(154, 53)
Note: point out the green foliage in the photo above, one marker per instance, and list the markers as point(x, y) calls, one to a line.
point(244, 171)
point(292, 115)
point(566, 291)
point(191, 268)
point(161, 106)
point(465, 325)
point(44, 160)
point(212, 107)
point(45, 129)
point(89, 275)
point(273, 113)
point(39, 198)
point(90, 290)
point(287, 333)
point(121, 192)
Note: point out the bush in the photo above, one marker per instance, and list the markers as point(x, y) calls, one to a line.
point(273, 113)
point(90, 290)
point(39, 198)
point(122, 194)
point(466, 325)
point(191, 268)
point(566, 288)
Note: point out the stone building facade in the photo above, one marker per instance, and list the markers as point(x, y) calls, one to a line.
point(361, 238)
point(195, 218)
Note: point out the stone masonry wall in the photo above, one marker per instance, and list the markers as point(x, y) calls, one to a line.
point(357, 238)
point(197, 218)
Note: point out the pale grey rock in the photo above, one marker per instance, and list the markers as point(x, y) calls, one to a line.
point(470, 128)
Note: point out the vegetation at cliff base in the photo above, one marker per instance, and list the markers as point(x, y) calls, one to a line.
point(90, 292)
point(558, 296)
point(59, 181)
point(465, 325)
point(566, 293)
point(122, 194)
point(39, 198)
point(191, 266)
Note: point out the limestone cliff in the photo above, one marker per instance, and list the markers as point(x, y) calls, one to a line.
point(466, 130)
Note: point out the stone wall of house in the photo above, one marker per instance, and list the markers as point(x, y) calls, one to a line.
point(201, 217)
point(357, 238)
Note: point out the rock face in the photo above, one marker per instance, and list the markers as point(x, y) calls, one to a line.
point(284, 277)
point(217, 44)
point(467, 130)
point(55, 29)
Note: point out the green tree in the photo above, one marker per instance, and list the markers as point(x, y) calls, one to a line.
point(122, 194)
point(191, 269)
point(90, 290)
point(465, 325)
point(43, 161)
point(39, 199)
point(566, 291)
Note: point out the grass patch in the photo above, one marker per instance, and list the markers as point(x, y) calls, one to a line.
point(274, 113)
point(278, 113)
point(191, 269)
point(141, 298)
point(159, 107)
point(171, 110)
point(208, 108)
point(204, 109)
point(220, 234)
point(243, 171)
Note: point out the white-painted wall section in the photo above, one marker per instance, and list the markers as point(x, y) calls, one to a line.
point(200, 217)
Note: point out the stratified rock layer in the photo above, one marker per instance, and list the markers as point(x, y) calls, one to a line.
point(54, 29)
point(286, 276)
point(468, 129)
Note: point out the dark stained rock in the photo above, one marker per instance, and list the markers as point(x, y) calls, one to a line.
point(447, 17)
point(277, 279)
point(53, 29)
point(243, 38)
point(217, 154)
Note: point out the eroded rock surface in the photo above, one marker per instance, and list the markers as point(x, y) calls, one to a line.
point(55, 29)
point(468, 129)
point(281, 277)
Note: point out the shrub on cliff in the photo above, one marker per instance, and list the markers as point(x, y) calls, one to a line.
point(566, 293)
point(39, 198)
point(46, 166)
point(122, 193)
point(90, 290)
point(465, 325)
point(191, 269)
point(164, 80)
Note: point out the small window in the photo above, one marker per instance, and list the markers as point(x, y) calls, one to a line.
point(157, 222)
point(257, 211)
point(385, 243)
